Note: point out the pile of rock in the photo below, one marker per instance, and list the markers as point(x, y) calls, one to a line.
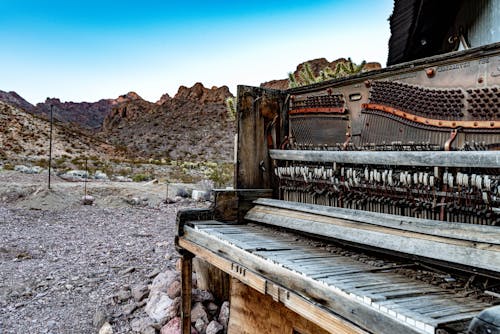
point(155, 308)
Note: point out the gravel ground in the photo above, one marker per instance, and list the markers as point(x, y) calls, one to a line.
point(59, 267)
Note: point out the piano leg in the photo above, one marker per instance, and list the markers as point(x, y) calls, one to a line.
point(186, 286)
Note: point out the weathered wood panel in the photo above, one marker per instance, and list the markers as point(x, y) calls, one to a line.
point(232, 205)
point(211, 278)
point(255, 313)
point(256, 109)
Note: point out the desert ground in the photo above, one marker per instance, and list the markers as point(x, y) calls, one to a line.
point(64, 265)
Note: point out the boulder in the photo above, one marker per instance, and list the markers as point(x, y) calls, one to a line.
point(200, 325)
point(224, 314)
point(200, 195)
point(106, 329)
point(98, 175)
point(88, 200)
point(214, 328)
point(201, 296)
point(158, 307)
point(163, 280)
point(174, 289)
point(198, 312)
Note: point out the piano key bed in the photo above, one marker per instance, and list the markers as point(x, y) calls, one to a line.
point(324, 286)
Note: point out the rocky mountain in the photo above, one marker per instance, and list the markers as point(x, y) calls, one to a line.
point(317, 65)
point(16, 100)
point(193, 125)
point(25, 137)
point(87, 115)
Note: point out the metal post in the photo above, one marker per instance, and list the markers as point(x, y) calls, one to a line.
point(86, 176)
point(50, 141)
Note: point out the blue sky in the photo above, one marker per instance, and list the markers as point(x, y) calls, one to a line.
point(87, 50)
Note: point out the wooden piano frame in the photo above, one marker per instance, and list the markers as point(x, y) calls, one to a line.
point(285, 274)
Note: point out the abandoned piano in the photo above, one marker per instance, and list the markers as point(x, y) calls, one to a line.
point(351, 193)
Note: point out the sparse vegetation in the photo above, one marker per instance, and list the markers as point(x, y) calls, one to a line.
point(231, 103)
point(307, 76)
point(140, 177)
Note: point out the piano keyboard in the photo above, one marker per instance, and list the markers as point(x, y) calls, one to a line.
point(378, 290)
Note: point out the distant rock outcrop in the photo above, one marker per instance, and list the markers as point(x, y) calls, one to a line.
point(203, 95)
point(193, 125)
point(164, 98)
point(87, 115)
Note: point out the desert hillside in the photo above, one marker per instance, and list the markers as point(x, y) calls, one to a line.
point(25, 137)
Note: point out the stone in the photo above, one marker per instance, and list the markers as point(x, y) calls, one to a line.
point(129, 308)
point(158, 306)
point(174, 289)
point(76, 174)
point(200, 195)
point(100, 175)
point(182, 192)
point(162, 281)
point(172, 327)
point(198, 312)
point(154, 273)
point(51, 323)
point(140, 324)
point(169, 200)
point(88, 200)
point(224, 314)
point(123, 295)
point(214, 328)
point(149, 330)
point(200, 325)
point(201, 296)
point(100, 317)
point(139, 292)
point(212, 308)
point(106, 329)
point(127, 270)
point(120, 178)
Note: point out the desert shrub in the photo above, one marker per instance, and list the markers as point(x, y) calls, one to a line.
point(140, 177)
point(44, 163)
point(222, 174)
point(8, 166)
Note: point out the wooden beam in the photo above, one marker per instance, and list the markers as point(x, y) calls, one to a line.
point(186, 287)
point(476, 159)
point(306, 308)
